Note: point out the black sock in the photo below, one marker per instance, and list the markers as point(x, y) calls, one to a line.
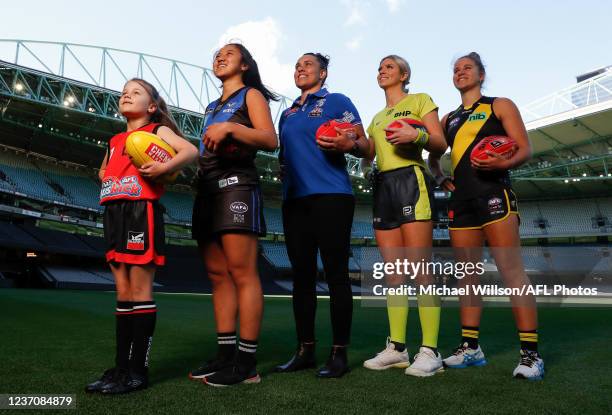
point(400, 347)
point(226, 343)
point(529, 340)
point(246, 353)
point(469, 335)
point(123, 334)
point(144, 316)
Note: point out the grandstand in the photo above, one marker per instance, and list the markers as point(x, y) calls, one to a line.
point(54, 124)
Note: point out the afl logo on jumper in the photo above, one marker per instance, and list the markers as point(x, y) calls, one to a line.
point(239, 207)
point(453, 122)
point(135, 241)
point(495, 202)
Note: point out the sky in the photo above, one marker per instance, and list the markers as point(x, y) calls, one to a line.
point(530, 48)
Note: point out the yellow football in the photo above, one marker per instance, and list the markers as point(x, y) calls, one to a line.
point(144, 147)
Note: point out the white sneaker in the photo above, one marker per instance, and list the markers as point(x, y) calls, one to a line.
point(426, 363)
point(463, 356)
point(531, 366)
point(388, 358)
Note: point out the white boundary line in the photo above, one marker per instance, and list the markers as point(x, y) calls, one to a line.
point(542, 300)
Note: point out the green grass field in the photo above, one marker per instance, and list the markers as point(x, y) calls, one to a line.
point(57, 341)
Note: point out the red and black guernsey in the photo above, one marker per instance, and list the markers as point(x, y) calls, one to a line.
point(122, 181)
point(133, 217)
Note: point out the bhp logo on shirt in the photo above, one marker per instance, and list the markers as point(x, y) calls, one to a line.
point(135, 241)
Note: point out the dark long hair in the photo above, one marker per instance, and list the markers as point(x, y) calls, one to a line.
point(162, 114)
point(251, 77)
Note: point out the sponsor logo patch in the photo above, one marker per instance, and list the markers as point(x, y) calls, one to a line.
point(477, 117)
point(239, 207)
point(348, 116)
point(128, 185)
point(402, 114)
point(228, 182)
point(157, 153)
point(407, 210)
point(135, 241)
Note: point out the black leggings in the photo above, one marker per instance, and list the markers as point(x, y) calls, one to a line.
point(320, 222)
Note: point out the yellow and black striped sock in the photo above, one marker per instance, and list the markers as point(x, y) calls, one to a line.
point(529, 340)
point(469, 335)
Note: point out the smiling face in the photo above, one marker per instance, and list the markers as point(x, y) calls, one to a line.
point(308, 73)
point(228, 62)
point(467, 75)
point(390, 74)
point(135, 101)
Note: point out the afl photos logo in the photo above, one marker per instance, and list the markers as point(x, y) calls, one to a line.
point(239, 207)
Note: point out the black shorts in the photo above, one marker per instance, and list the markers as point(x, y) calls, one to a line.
point(479, 212)
point(134, 232)
point(237, 210)
point(402, 196)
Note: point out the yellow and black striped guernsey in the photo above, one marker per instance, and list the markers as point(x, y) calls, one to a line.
point(465, 127)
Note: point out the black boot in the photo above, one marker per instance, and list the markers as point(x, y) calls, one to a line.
point(109, 377)
point(304, 358)
point(127, 382)
point(337, 364)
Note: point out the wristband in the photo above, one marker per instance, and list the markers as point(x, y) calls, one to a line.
point(422, 138)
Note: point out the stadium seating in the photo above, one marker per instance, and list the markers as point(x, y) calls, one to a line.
point(23, 177)
point(179, 206)
point(13, 235)
point(79, 187)
point(45, 180)
point(564, 217)
point(80, 278)
point(274, 220)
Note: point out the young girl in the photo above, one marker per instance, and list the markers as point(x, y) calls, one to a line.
point(483, 206)
point(318, 205)
point(403, 203)
point(228, 212)
point(134, 232)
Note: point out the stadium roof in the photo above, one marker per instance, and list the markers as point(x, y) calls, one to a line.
point(571, 137)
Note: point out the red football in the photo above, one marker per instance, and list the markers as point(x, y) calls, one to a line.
point(499, 144)
point(328, 128)
point(414, 123)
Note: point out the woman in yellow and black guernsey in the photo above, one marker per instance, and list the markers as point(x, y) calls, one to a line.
point(402, 211)
point(483, 206)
